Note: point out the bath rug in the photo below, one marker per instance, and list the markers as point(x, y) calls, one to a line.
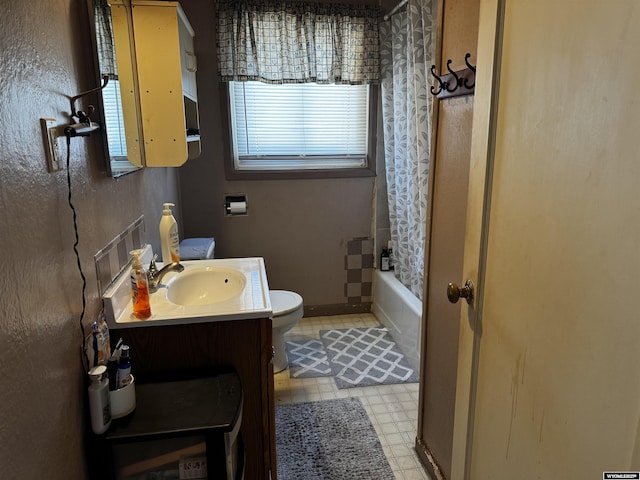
point(307, 358)
point(362, 357)
point(328, 440)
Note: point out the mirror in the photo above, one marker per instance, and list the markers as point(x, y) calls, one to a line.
point(118, 106)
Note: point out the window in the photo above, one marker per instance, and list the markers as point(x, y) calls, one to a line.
point(301, 81)
point(300, 127)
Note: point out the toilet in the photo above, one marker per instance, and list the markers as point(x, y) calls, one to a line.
point(287, 311)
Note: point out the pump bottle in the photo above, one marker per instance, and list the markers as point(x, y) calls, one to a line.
point(139, 288)
point(169, 236)
point(99, 400)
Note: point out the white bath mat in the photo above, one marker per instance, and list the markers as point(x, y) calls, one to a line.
point(361, 357)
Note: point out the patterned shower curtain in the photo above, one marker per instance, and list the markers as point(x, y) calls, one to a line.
point(406, 46)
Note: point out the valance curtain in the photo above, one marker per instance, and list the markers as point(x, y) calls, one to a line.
point(297, 42)
point(104, 37)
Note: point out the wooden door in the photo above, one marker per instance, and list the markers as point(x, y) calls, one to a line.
point(549, 377)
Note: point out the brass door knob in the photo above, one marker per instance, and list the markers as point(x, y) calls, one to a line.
point(454, 292)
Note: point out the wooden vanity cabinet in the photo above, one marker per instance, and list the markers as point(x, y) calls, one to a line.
point(244, 344)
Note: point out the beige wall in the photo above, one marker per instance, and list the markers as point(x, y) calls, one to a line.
point(43, 60)
point(300, 227)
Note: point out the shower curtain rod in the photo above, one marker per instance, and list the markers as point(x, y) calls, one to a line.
point(395, 9)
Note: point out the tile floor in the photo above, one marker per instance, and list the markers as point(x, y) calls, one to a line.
point(393, 409)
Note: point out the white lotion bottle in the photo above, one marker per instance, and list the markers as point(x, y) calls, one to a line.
point(99, 400)
point(169, 238)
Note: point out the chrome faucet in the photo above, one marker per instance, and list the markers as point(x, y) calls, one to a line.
point(155, 276)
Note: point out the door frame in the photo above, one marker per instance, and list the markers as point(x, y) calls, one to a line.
point(491, 24)
point(421, 449)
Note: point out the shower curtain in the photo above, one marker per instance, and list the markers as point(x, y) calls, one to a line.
point(406, 46)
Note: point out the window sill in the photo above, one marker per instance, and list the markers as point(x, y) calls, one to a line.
point(232, 174)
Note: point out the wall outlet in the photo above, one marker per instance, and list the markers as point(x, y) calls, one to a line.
point(51, 137)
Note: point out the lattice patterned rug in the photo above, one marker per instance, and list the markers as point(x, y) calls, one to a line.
point(328, 440)
point(307, 357)
point(361, 357)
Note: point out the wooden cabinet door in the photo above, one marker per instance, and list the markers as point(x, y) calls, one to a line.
point(155, 27)
point(243, 344)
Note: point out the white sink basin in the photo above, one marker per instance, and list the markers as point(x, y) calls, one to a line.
point(206, 291)
point(205, 286)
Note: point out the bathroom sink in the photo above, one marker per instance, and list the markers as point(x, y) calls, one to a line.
point(205, 286)
point(212, 290)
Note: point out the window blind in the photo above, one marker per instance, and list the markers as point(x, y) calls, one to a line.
point(298, 126)
point(112, 105)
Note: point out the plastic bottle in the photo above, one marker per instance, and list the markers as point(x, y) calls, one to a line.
point(392, 258)
point(169, 236)
point(384, 260)
point(99, 400)
point(124, 367)
point(139, 288)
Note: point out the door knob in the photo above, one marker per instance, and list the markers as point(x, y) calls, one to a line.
point(454, 292)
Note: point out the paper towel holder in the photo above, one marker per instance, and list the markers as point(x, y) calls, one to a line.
point(235, 205)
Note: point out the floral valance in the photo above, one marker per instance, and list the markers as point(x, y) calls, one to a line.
point(297, 42)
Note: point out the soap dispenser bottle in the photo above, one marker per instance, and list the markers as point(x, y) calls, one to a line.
point(139, 288)
point(169, 236)
point(99, 400)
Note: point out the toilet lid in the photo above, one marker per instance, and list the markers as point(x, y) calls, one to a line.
point(283, 301)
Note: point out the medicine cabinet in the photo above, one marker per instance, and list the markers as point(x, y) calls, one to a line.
point(166, 65)
point(118, 110)
point(150, 113)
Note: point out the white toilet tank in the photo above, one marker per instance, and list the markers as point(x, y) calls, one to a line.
point(287, 308)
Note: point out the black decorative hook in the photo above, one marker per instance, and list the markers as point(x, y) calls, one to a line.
point(472, 68)
point(457, 81)
point(441, 85)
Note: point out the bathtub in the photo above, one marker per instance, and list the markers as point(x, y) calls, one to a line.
point(400, 311)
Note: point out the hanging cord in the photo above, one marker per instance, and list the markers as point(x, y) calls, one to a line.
point(84, 359)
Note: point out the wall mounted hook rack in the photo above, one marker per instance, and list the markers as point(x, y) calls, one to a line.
point(454, 83)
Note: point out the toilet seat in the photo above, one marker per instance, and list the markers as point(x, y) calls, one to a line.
point(284, 302)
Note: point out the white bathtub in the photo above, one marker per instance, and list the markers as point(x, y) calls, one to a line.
point(400, 311)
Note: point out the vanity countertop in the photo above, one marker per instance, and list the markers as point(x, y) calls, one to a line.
point(251, 302)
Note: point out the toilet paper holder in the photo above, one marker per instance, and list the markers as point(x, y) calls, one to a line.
point(235, 205)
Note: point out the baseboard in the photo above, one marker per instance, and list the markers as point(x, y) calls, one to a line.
point(337, 309)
